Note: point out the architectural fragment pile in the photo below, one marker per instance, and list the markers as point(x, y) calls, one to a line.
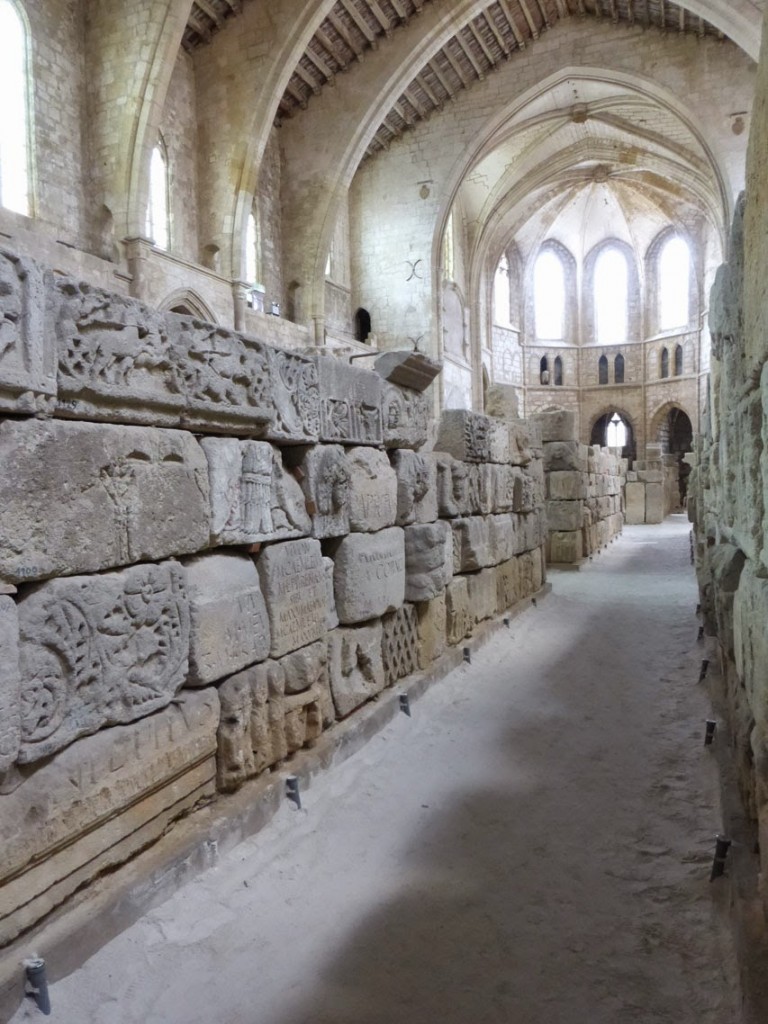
point(181, 611)
point(584, 490)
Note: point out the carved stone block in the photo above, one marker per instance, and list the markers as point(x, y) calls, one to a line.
point(357, 666)
point(10, 727)
point(400, 644)
point(87, 497)
point(408, 369)
point(431, 623)
point(473, 543)
point(507, 584)
point(324, 475)
point(372, 490)
point(416, 487)
point(452, 487)
point(524, 437)
point(565, 548)
point(564, 515)
point(99, 802)
point(557, 425)
point(480, 480)
point(293, 583)
point(369, 575)
point(465, 435)
point(500, 450)
point(333, 618)
point(27, 354)
point(405, 417)
point(351, 403)
point(459, 620)
point(566, 484)
point(481, 587)
point(560, 456)
point(99, 650)
point(228, 617)
point(503, 532)
point(253, 498)
point(428, 560)
point(293, 399)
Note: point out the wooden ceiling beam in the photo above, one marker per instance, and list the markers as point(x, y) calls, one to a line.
point(519, 37)
point(543, 11)
point(319, 63)
point(305, 76)
point(360, 21)
point(529, 18)
point(456, 66)
point(482, 44)
point(344, 34)
point(441, 78)
point(210, 10)
point(380, 16)
point(424, 84)
point(491, 23)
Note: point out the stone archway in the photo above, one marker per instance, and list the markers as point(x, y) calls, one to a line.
point(599, 431)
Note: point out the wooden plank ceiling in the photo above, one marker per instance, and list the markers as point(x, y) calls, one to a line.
point(484, 43)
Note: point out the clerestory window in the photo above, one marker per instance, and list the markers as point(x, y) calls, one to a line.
point(14, 111)
point(674, 284)
point(611, 293)
point(549, 296)
point(158, 221)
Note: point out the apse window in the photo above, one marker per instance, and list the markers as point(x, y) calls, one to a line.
point(549, 296)
point(616, 434)
point(14, 111)
point(611, 291)
point(674, 284)
point(252, 250)
point(501, 293)
point(158, 227)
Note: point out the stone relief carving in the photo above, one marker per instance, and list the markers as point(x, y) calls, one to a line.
point(405, 417)
point(351, 403)
point(27, 366)
point(400, 644)
point(99, 650)
point(416, 487)
point(10, 733)
point(295, 397)
point(452, 487)
point(465, 435)
point(323, 473)
point(293, 581)
point(357, 666)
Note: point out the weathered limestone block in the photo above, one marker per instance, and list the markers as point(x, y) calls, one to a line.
point(293, 583)
point(253, 498)
point(556, 426)
point(292, 397)
point(565, 455)
point(564, 515)
point(428, 560)
point(86, 497)
point(507, 584)
point(323, 473)
point(405, 416)
point(372, 490)
point(531, 573)
point(228, 617)
point(10, 690)
point(635, 497)
point(480, 479)
point(501, 400)
point(27, 353)
point(481, 587)
point(99, 802)
point(499, 445)
point(452, 487)
point(568, 485)
point(236, 758)
point(507, 488)
point(465, 435)
point(357, 666)
point(750, 640)
point(524, 438)
point(416, 487)
point(473, 546)
point(459, 619)
point(333, 618)
point(351, 403)
point(431, 624)
point(369, 575)
point(567, 548)
point(408, 369)
point(650, 476)
point(654, 503)
point(531, 532)
point(504, 540)
point(99, 650)
point(400, 644)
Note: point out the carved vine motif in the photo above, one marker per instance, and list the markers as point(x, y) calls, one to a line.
point(11, 304)
point(100, 654)
point(295, 395)
point(350, 421)
point(477, 437)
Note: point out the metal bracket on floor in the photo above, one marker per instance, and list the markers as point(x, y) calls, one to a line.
point(700, 633)
point(709, 732)
point(703, 672)
point(405, 704)
point(467, 653)
point(38, 984)
point(722, 845)
point(292, 790)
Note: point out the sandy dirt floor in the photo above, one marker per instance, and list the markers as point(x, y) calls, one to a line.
point(531, 847)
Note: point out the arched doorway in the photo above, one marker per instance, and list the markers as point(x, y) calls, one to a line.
point(362, 324)
point(614, 430)
point(675, 435)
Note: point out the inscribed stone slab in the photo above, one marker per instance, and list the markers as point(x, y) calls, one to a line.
point(228, 617)
point(87, 497)
point(99, 650)
point(293, 583)
point(369, 575)
point(372, 490)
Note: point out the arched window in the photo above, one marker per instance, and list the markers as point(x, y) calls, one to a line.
point(664, 362)
point(362, 324)
point(602, 370)
point(158, 227)
point(501, 293)
point(253, 249)
point(14, 111)
point(616, 434)
point(558, 371)
point(544, 370)
point(674, 284)
point(449, 255)
point(549, 296)
point(611, 292)
point(618, 369)
point(678, 360)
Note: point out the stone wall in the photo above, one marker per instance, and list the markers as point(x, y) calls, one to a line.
point(583, 489)
point(213, 550)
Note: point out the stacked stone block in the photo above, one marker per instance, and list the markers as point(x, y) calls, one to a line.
point(210, 551)
point(647, 484)
point(584, 485)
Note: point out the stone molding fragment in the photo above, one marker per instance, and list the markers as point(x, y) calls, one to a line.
point(324, 475)
point(452, 487)
point(253, 498)
point(431, 625)
point(27, 355)
point(408, 369)
point(99, 650)
point(465, 435)
point(357, 666)
point(99, 802)
point(369, 575)
point(459, 620)
point(405, 416)
point(416, 487)
point(350, 403)
point(228, 616)
point(428, 560)
point(473, 543)
point(372, 490)
point(293, 582)
point(400, 644)
point(88, 496)
point(10, 689)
